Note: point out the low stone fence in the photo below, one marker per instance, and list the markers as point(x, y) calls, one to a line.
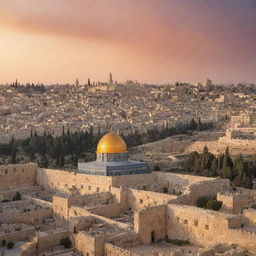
point(31, 217)
point(112, 250)
point(38, 201)
point(18, 235)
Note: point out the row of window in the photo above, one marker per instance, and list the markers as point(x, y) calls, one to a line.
point(6, 171)
point(185, 221)
point(82, 187)
point(155, 202)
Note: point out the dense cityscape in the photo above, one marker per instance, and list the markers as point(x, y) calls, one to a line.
point(121, 107)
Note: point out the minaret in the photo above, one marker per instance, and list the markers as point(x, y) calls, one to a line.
point(110, 78)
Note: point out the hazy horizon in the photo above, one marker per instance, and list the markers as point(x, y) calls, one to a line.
point(152, 41)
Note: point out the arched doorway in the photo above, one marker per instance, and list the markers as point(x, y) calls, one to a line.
point(153, 237)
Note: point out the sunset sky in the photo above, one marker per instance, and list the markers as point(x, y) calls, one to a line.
point(57, 41)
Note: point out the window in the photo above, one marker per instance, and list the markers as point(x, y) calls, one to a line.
point(207, 227)
point(141, 201)
point(185, 221)
point(89, 187)
point(82, 186)
point(196, 223)
point(98, 189)
point(6, 171)
point(178, 219)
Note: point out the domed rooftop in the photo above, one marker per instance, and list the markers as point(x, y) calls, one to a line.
point(111, 143)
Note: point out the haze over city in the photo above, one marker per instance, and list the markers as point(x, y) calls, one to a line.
point(56, 41)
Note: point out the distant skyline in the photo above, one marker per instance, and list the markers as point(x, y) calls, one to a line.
point(154, 41)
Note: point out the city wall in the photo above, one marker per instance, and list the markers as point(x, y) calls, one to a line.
point(137, 180)
point(17, 175)
point(65, 181)
point(92, 199)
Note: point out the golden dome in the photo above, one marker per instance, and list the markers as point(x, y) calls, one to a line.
point(111, 143)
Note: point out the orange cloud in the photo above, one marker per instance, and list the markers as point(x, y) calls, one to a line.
point(148, 39)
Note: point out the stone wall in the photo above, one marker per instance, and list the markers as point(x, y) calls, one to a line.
point(125, 239)
point(47, 241)
point(88, 245)
point(112, 250)
point(65, 181)
point(17, 175)
point(206, 228)
point(133, 180)
point(238, 200)
point(238, 142)
point(34, 217)
point(109, 210)
point(76, 211)
point(10, 193)
point(176, 183)
point(151, 223)
point(60, 207)
point(204, 188)
point(18, 235)
point(234, 202)
point(250, 217)
point(139, 199)
point(92, 199)
point(43, 242)
point(38, 201)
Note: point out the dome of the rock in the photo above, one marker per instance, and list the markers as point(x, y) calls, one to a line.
point(111, 143)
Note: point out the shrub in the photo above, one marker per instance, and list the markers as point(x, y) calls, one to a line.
point(213, 205)
point(10, 245)
point(157, 168)
point(210, 203)
point(5, 201)
point(17, 196)
point(177, 242)
point(165, 190)
point(66, 242)
point(3, 243)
